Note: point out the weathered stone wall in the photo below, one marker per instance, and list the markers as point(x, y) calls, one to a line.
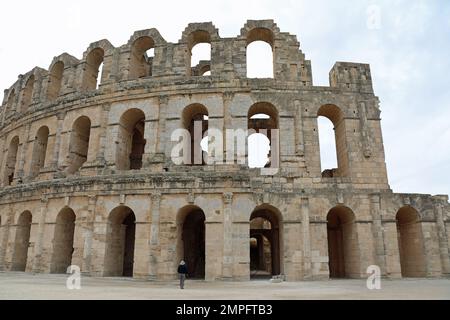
point(156, 91)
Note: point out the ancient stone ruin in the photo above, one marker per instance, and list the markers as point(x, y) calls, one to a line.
point(88, 178)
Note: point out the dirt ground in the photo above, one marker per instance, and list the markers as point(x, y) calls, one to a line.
point(15, 285)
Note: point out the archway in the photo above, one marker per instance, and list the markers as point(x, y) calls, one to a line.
point(120, 240)
point(63, 241)
point(11, 160)
point(39, 150)
point(410, 243)
point(195, 120)
point(141, 64)
point(92, 75)
point(55, 78)
point(265, 242)
point(131, 146)
point(263, 144)
point(343, 252)
point(336, 116)
point(27, 94)
point(22, 241)
point(79, 144)
point(191, 240)
point(260, 53)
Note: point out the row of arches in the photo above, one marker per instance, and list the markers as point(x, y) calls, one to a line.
point(343, 251)
point(78, 148)
point(265, 235)
point(262, 118)
point(259, 57)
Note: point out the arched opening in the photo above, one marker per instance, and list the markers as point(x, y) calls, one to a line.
point(10, 102)
point(410, 243)
point(343, 251)
point(195, 120)
point(131, 146)
point(120, 239)
point(140, 62)
point(63, 241)
point(55, 81)
point(191, 240)
point(11, 159)
point(79, 144)
point(92, 74)
point(262, 149)
point(260, 55)
point(336, 116)
point(201, 59)
point(22, 241)
point(265, 242)
point(27, 94)
point(199, 53)
point(39, 150)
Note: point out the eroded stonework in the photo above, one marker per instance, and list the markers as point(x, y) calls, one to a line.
point(87, 176)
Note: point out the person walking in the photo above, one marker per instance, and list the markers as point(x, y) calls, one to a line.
point(182, 271)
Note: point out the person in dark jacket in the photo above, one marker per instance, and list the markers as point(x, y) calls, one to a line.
point(182, 271)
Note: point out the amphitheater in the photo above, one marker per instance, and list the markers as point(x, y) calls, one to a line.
point(88, 176)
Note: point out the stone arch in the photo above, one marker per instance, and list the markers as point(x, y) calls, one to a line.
point(336, 116)
point(262, 119)
point(260, 31)
point(140, 64)
point(191, 240)
point(63, 241)
point(343, 251)
point(11, 161)
point(120, 242)
point(410, 242)
point(27, 93)
point(39, 150)
point(94, 60)
point(78, 144)
point(22, 241)
point(11, 101)
point(266, 222)
point(194, 34)
point(131, 141)
point(194, 118)
point(55, 78)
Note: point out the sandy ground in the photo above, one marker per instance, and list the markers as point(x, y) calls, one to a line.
point(15, 285)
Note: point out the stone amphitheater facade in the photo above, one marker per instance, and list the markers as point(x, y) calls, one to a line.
point(87, 176)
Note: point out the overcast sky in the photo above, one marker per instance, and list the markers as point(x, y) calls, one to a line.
point(407, 44)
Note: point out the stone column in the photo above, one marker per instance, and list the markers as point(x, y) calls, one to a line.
point(38, 258)
point(392, 252)
point(162, 135)
point(100, 157)
point(298, 118)
point(431, 248)
point(306, 238)
point(227, 266)
point(377, 231)
point(57, 145)
point(88, 234)
point(5, 237)
point(442, 234)
point(154, 237)
point(213, 251)
point(23, 152)
point(227, 98)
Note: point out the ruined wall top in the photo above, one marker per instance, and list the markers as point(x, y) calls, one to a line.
point(128, 66)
